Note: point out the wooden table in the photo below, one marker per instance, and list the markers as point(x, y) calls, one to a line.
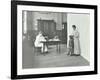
point(53, 42)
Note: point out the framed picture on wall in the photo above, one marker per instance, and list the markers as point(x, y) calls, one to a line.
point(53, 39)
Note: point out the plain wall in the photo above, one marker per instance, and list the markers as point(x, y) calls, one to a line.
point(82, 22)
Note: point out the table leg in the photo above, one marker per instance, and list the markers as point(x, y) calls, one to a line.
point(43, 47)
point(59, 47)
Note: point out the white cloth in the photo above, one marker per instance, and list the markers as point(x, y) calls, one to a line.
point(38, 43)
point(77, 49)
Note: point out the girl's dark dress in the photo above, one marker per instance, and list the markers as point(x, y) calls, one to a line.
point(71, 46)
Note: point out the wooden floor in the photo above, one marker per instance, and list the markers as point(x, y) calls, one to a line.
point(33, 59)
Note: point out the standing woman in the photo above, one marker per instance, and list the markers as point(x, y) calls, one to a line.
point(77, 50)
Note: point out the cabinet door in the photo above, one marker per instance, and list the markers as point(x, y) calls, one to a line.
point(64, 33)
point(52, 29)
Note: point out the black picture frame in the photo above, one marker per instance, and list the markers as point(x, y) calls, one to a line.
point(14, 64)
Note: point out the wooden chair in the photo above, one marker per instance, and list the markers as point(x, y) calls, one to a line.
point(37, 50)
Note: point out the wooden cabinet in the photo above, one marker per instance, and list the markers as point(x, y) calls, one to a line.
point(48, 27)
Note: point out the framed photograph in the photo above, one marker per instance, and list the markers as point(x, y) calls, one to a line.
point(53, 39)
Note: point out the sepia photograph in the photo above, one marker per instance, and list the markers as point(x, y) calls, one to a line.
point(53, 39)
